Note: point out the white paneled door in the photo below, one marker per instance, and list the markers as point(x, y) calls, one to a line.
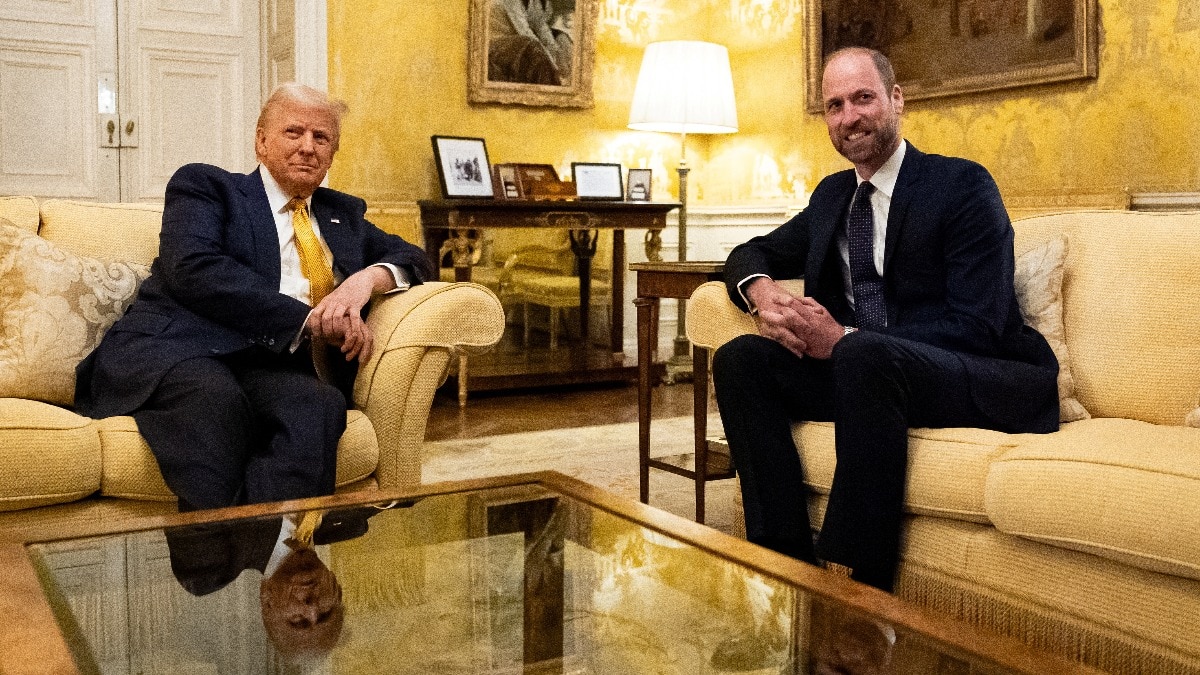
point(104, 99)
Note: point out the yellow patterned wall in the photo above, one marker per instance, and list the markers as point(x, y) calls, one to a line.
point(1134, 129)
point(404, 74)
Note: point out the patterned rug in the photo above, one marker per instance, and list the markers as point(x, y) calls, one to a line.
point(605, 456)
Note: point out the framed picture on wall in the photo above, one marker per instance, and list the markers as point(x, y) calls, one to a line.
point(462, 165)
point(597, 181)
point(531, 52)
point(638, 185)
point(949, 48)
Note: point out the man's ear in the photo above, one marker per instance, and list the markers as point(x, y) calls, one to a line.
point(897, 99)
point(260, 143)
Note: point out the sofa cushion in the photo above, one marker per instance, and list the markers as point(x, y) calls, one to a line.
point(113, 231)
point(48, 455)
point(54, 309)
point(947, 468)
point(1122, 489)
point(1038, 280)
point(130, 470)
point(20, 211)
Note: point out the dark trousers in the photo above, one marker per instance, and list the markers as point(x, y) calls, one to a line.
point(873, 388)
point(250, 427)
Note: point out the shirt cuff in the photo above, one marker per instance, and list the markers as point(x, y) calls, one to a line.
point(398, 275)
point(741, 288)
point(296, 341)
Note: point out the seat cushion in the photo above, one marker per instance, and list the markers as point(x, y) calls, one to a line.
point(54, 308)
point(1122, 489)
point(130, 470)
point(947, 468)
point(48, 455)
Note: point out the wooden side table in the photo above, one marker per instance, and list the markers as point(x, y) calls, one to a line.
point(656, 280)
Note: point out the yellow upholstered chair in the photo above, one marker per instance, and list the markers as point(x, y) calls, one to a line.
point(560, 292)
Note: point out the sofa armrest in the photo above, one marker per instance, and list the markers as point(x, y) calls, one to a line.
point(416, 333)
point(712, 320)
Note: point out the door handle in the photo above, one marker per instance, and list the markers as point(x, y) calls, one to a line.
point(131, 135)
point(109, 132)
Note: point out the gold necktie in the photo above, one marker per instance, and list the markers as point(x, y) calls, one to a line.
point(317, 270)
point(313, 264)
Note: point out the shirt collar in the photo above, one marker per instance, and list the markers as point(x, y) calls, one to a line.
point(276, 197)
point(885, 178)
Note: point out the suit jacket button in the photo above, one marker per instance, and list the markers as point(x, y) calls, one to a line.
point(271, 342)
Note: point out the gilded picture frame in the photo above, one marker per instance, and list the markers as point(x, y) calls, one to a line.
point(534, 53)
point(950, 47)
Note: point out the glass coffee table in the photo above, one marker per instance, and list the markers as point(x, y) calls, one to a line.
point(534, 573)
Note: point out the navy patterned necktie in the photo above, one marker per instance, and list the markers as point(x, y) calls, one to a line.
point(870, 311)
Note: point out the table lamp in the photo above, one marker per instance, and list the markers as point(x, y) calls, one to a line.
point(684, 87)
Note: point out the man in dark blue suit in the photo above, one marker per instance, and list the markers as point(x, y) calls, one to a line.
point(214, 359)
point(910, 320)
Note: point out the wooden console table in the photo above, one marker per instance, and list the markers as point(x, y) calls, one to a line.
point(657, 280)
point(451, 225)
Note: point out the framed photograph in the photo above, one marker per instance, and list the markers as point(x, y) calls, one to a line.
point(597, 181)
point(508, 185)
point(531, 52)
point(638, 188)
point(951, 48)
point(463, 167)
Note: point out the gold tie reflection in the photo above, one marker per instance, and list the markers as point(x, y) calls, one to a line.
point(316, 269)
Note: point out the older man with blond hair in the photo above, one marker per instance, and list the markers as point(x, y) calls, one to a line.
point(261, 281)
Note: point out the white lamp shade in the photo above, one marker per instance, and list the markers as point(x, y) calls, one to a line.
point(684, 86)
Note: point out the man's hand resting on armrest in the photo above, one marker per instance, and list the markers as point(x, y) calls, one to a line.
point(337, 319)
point(800, 324)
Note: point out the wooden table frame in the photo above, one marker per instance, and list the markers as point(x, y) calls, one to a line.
point(32, 642)
point(656, 280)
point(450, 226)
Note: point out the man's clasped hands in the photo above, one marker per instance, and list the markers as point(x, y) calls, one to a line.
point(800, 324)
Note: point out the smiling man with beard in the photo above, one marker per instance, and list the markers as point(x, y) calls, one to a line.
point(909, 320)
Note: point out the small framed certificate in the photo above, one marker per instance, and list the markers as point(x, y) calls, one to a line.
point(597, 181)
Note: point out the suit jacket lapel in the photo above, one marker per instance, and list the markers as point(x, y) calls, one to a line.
point(824, 227)
point(262, 227)
point(902, 196)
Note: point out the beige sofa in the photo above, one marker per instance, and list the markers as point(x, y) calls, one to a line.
point(1085, 542)
point(55, 302)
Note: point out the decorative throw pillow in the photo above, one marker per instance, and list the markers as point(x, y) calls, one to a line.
point(1038, 279)
point(54, 308)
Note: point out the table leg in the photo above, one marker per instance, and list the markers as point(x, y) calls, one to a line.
point(583, 245)
point(462, 380)
point(700, 423)
point(645, 307)
point(617, 327)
